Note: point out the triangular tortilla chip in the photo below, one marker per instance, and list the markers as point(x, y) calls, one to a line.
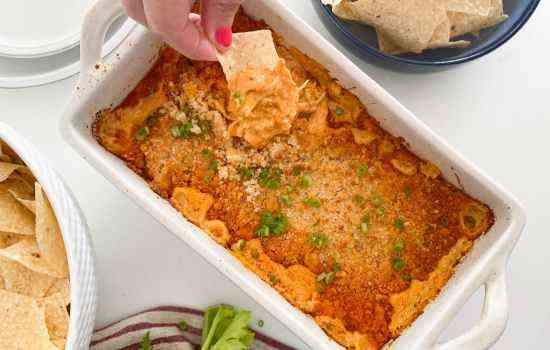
point(57, 317)
point(6, 169)
point(27, 203)
point(61, 286)
point(26, 253)
point(48, 235)
point(250, 49)
point(23, 323)
point(7, 239)
point(440, 39)
point(410, 24)
point(14, 217)
point(19, 279)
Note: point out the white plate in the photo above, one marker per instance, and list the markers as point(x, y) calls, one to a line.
point(25, 72)
point(485, 265)
point(37, 28)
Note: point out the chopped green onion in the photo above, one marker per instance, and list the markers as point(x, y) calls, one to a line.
point(398, 264)
point(406, 278)
point(326, 278)
point(365, 223)
point(272, 224)
point(270, 178)
point(260, 323)
point(273, 279)
point(339, 111)
point(336, 267)
point(312, 202)
point(207, 153)
point(263, 231)
point(245, 173)
point(297, 170)
point(208, 179)
point(408, 191)
point(143, 133)
point(399, 246)
point(377, 201)
point(306, 181)
point(238, 96)
point(286, 200)
point(175, 130)
point(399, 224)
point(359, 200)
point(318, 240)
point(183, 325)
point(362, 170)
point(214, 165)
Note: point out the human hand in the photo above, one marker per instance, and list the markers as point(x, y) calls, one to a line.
point(195, 36)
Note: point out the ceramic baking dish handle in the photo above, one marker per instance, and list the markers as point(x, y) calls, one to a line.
point(94, 28)
point(493, 318)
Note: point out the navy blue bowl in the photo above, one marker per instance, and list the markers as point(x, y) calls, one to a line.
point(364, 37)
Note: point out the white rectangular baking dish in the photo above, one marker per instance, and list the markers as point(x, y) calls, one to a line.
point(105, 83)
point(74, 229)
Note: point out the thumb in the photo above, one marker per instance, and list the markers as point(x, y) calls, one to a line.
point(217, 17)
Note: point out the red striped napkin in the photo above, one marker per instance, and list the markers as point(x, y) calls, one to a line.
point(162, 323)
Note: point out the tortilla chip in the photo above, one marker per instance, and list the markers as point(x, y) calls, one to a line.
point(27, 203)
point(410, 24)
point(19, 279)
point(250, 49)
point(7, 239)
point(14, 217)
point(23, 323)
point(6, 169)
point(61, 286)
point(59, 342)
point(57, 317)
point(26, 253)
point(48, 235)
point(440, 39)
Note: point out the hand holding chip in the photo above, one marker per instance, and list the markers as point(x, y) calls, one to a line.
point(196, 36)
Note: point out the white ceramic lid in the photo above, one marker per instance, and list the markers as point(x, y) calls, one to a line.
point(36, 28)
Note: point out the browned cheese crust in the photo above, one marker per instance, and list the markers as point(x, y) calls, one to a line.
point(373, 232)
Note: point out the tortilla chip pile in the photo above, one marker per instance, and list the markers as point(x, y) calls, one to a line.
point(34, 275)
point(416, 25)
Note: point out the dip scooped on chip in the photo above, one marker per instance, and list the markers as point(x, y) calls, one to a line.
point(264, 97)
point(34, 274)
point(416, 25)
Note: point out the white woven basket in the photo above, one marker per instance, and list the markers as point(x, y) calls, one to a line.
point(75, 234)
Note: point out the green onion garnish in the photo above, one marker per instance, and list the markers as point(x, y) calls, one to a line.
point(399, 224)
point(143, 133)
point(398, 264)
point(399, 246)
point(318, 240)
point(362, 170)
point(306, 181)
point(312, 202)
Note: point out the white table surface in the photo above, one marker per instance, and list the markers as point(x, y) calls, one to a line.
point(495, 110)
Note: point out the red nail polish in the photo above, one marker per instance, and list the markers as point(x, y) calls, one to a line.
point(224, 36)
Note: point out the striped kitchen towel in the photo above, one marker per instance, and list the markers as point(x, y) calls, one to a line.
point(162, 323)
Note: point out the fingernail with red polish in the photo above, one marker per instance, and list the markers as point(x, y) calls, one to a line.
point(224, 36)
